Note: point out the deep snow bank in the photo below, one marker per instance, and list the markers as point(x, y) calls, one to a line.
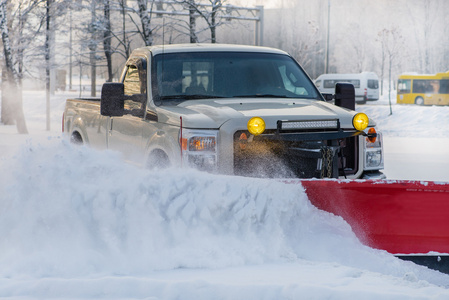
point(409, 120)
point(71, 211)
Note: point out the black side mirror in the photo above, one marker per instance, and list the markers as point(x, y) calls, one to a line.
point(345, 95)
point(112, 101)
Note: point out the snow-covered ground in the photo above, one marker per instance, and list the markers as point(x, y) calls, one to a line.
point(76, 223)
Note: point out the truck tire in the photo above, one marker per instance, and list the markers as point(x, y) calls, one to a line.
point(419, 100)
point(158, 159)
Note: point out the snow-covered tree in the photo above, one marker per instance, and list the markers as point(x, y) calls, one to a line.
point(11, 89)
point(145, 20)
point(209, 13)
point(107, 37)
point(392, 47)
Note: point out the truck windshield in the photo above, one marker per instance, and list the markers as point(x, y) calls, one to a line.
point(200, 75)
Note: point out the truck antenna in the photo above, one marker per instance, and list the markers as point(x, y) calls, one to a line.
point(163, 32)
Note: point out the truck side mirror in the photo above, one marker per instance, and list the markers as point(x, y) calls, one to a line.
point(112, 101)
point(345, 95)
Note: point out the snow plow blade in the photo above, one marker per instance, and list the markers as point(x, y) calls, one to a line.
point(409, 219)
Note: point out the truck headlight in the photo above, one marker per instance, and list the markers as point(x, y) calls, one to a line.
point(199, 149)
point(374, 159)
point(202, 143)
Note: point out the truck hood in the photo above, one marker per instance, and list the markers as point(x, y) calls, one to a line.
point(212, 114)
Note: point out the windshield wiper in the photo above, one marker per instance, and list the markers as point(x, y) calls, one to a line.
point(189, 97)
point(261, 96)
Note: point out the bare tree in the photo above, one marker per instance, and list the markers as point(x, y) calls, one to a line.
point(93, 48)
point(298, 37)
point(199, 13)
point(125, 42)
point(383, 39)
point(113, 40)
point(144, 30)
point(392, 45)
point(211, 16)
point(145, 20)
point(107, 37)
point(23, 13)
point(192, 21)
point(13, 85)
point(48, 34)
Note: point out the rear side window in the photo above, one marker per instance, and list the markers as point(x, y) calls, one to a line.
point(373, 83)
point(330, 83)
point(444, 86)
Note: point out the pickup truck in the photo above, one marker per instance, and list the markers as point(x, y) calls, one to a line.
point(227, 109)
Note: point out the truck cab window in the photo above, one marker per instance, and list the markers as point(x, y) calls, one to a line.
point(196, 77)
point(135, 83)
point(202, 75)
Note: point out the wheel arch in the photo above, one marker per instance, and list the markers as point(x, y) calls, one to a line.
point(163, 146)
point(78, 130)
point(419, 100)
point(76, 138)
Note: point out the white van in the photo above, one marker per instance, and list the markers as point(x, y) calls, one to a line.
point(366, 84)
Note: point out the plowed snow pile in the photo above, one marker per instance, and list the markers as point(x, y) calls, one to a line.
point(75, 211)
point(78, 223)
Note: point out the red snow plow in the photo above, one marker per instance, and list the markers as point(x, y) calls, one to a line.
point(406, 218)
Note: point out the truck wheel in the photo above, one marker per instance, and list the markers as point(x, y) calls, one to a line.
point(76, 138)
point(158, 160)
point(419, 100)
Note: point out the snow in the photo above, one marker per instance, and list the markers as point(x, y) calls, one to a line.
point(76, 223)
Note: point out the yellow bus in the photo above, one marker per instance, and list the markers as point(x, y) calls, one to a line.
point(423, 89)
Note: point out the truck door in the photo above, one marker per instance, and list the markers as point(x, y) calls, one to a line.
point(125, 133)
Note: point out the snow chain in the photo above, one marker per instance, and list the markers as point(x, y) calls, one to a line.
point(327, 155)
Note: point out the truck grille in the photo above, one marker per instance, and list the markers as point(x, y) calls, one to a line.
point(273, 156)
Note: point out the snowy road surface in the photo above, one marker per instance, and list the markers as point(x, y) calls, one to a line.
point(417, 158)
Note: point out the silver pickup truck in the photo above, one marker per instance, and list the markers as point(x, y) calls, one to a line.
point(227, 109)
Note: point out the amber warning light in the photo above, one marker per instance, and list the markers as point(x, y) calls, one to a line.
point(256, 125)
point(372, 135)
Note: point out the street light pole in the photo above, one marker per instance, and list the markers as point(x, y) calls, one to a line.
point(326, 63)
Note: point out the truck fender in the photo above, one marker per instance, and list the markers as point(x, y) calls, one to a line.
point(162, 151)
point(77, 131)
